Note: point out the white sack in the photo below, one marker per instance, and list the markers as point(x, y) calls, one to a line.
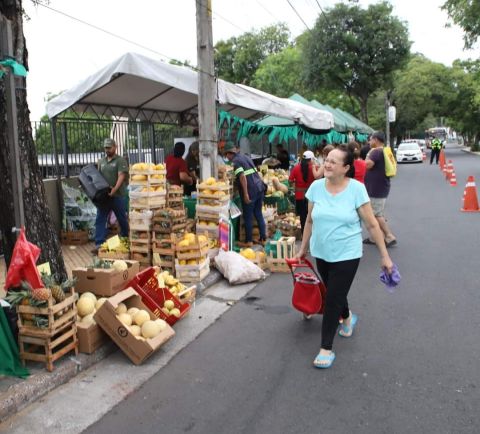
point(237, 269)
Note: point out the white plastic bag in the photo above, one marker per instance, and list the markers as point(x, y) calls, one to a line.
point(237, 269)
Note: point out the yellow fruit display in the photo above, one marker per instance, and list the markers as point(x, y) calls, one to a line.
point(202, 238)
point(140, 317)
point(139, 166)
point(207, 192)
point(139, 177)
point(184, 243)
point(248, 253)
point(210, 181)
point(182, 262)
point(121, 308)
point(213, 224)
point(160, 166)
point(190, 237)
point(192, 262)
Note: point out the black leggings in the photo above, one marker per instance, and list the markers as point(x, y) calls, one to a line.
point(301, 208)
point(338, 277)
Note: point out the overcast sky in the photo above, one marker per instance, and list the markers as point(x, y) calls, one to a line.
point(63, 51)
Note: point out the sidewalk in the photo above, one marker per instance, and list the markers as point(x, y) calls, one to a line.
point(16, 394)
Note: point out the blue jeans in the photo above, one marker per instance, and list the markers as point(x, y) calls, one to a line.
point(119, 206)
point(254, 208)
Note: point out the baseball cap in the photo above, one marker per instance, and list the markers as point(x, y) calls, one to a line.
point(379, 135)
point(108, 143)
point(308, 155)
point(229, 147)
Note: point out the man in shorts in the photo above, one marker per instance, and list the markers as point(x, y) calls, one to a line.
point(378, 186)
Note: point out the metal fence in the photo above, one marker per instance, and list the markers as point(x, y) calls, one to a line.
point(80, 142)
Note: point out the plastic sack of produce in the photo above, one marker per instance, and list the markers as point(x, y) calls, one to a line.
point(237, 269)
point(23, 264)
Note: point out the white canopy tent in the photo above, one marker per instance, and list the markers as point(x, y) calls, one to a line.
point(141, 88)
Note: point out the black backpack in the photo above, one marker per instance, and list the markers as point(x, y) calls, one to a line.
point(95, 185)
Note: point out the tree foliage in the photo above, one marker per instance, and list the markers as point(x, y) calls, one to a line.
point(423, 88)
point(238, 58)
point(356, 50)
point(466, 14)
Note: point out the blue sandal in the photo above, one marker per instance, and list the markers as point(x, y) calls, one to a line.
point(324, 361)
point(347, 331)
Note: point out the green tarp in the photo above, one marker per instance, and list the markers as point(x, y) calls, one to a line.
point(9, 360)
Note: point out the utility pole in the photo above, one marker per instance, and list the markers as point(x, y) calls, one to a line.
point(387, 123)
point(6, 49)
point(207, 113)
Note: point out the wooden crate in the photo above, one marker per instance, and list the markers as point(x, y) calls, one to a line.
point(144, 257)
point(280, 250)
point(170, 221)
point(74, 238)
point(163, 244)
point(188, 295)
point(193, 253)
point(192, 273)
point(59, 316)
point(164, 262)
point(195, 245)
point(48, 349)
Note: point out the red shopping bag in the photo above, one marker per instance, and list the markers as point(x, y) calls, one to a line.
point(23, 264)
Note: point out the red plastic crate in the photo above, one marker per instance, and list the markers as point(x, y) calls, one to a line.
point(146, 284)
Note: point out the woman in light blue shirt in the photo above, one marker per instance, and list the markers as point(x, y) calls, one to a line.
point(337, 205)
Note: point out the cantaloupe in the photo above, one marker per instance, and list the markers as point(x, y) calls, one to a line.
point(85, 306)
point(125, 319)
point(150, 329)
point(89, 295)
point(121, 308)
point(140, 317)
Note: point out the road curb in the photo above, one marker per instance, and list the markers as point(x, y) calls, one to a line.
point(22, 394)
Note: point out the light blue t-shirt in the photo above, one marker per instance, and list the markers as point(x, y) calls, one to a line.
point(337, 232)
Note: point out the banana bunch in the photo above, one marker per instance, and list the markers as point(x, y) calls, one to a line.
point(124, 246)
point(165, 279)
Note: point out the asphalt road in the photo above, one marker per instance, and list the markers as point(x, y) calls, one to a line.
point(412, 366)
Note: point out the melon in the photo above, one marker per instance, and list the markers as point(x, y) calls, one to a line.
point(150, 329)
point(99, 302)
point(121, 308)
point(175, 312)
point(135, 330)
point(88, 319)
point(119, 265)
point(125, 319)
point(140, 317)
point(169, 304)
point(85, 306)
point(132, 311)
point(161, 323)
point(89, 295)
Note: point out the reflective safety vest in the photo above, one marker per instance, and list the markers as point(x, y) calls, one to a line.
point(436, 144)
point(244, 165)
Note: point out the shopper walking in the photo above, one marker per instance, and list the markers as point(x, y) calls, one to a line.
point(337, 204)
point(378, 186)
point(302, 175)
point(114, 169)
point(436, 146)
point(358, 163)
point(252, 191)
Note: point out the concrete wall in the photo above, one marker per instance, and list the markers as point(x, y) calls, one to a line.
point(53, 194)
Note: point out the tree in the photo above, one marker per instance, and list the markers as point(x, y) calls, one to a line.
point(422, 88)
point(38, 221)
point(465, 110)
point(238, 58)
point(466, 14)
point(356, 50)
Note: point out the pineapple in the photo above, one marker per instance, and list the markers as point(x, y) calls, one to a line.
point(41, 294)
point(57, 293)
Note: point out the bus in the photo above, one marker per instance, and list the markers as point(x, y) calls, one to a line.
point(436, 132)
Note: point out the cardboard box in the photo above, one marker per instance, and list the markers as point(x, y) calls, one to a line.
point(137, 350)
point(104, 282)
point(90, 337)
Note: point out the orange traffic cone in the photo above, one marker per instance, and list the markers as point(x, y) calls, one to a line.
point(470, 200)
point(448, 170)
point(442, 160)
point(453, 178)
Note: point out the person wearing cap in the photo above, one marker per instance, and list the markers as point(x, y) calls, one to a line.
point(252, 190)
point(302, 175)
point(114, 169)
point(378, 186)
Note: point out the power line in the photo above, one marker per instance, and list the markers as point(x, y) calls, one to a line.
point(121, 38)
point(266, 10)
point(298, 15)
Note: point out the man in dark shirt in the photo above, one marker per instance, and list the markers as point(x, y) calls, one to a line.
point(378, 185)
point(114, 169)
point(251, 189)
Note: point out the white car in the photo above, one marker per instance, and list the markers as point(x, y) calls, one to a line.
point(409, 152)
